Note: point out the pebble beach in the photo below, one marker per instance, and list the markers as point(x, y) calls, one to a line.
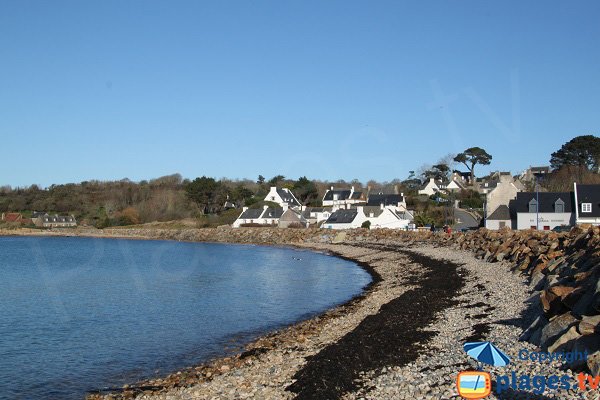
point(402, 339)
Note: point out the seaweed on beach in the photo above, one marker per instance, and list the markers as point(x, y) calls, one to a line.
point(393, 336)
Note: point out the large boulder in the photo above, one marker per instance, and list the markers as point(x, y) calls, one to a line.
point(566, 341)
point(589, 325)
point(533, 333)
point(556, 327)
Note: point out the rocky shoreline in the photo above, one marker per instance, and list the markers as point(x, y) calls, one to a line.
point(403, 338)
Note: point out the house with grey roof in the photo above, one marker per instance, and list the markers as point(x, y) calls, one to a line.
point(500, 218)
point(379, 217)
point(342, 198)
point(282, 196)
point(504, 191)
point(382, 217)
point(292, 218)
point(346, 219)
point(587, 204)
point(533, 174)
point(543, 210)
point(316, 215)
point(55, 221)
point(266, 216)
point(380, 199)
point(431, 187)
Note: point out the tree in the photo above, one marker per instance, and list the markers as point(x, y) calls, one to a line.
point(241, 193)
point(471, 157)
point(207, 193)
point(438, 171)
point(582, 151)
point(305, 190)
point(276, 179)
point(260, 180)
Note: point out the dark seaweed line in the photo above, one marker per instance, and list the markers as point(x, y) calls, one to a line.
point(393, 336)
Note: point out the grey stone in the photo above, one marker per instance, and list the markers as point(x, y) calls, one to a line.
point(557, 326)
point(565, 342)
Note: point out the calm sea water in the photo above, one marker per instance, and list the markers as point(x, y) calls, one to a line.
point(78, 313)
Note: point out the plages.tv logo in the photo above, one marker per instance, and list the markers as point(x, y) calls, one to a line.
point(478, 384)
point(474, 384)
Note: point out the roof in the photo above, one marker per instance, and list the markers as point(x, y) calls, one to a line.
point(273, 212)
point(251, 213)
point(58, 218)
point(489, 184)
point(343, 194)
point(546, 201)
point(589, 194)
point(12, 217)
point(342, 217)
point(437, 182)
point(287, 196)
point(292, 215)
point(376, 210)
point(501, 213)
point(385, 199)
point(543, 170)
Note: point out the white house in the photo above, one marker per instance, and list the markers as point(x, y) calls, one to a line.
point(316, 215)
point(387, 217)
point(282, 196)
point(260, 216)
point(386, 200)
point(455, 186)
point(346, 219)
point(497, 203)
point(55, 221)
point(342, 198)
point(544, 210)
point(587, 204)
point(432, 186)
point(500, 218)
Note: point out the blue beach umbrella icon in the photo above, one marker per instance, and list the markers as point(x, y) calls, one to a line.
point(487, 353)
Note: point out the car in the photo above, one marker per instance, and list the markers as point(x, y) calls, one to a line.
point(561, 228)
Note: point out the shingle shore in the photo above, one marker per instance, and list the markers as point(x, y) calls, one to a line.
point(492, 308)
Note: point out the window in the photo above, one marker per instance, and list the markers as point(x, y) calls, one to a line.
point(533, 206)
point(533, 227)
point(502, 224)
point(546, 228)
point(559, 206)
point(586, 207)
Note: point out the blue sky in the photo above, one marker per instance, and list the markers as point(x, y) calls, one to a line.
point(331, 90)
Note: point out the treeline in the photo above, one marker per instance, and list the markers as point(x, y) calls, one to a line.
point(124, 202)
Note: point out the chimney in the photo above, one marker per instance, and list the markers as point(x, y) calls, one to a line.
point(265, 207)
point(396, 190)
point(360, 209)
point(244, 209)
point(402, 194)
point(332, 188)
point(285, 207)
point(381, 206)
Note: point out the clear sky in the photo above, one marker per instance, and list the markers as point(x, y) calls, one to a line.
point(328, 89)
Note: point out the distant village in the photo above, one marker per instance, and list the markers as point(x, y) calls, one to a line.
point(551, 197)
point(507, 205)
